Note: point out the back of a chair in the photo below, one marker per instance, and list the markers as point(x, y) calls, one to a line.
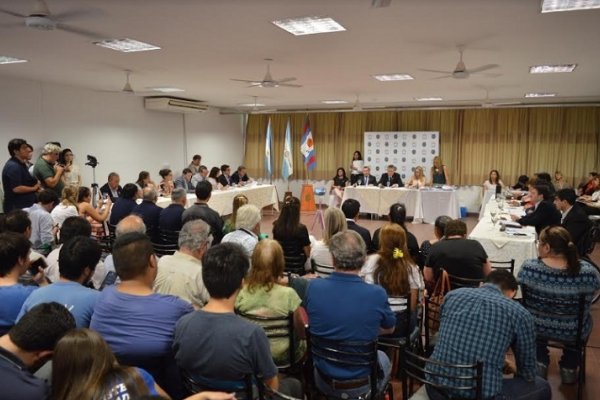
point(400, 305)
point(444, 377)
point(294, 257)
point(277, 328)
point(457, 282)
point(243, 389)
point(432, 320)
point(504, 265)
point(161, 249)
point(322, 271)
point(168, 237)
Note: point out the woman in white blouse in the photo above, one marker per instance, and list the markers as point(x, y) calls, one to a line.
point(417, 180)
point(67, 206)
point(335, 222)
point(356, 167)
point(493, 181)
point(72, 174)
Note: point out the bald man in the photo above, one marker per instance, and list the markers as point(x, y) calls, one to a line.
point(131, 223)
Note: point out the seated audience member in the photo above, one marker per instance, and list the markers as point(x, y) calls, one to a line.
point(185, 181)
point(131, 223)
point(522, 183)
point(27, 346)
point(84, 367)
point(67, 206)
point(238, 201)
point(200, 176)
point(144, 181)
point(393, 269)
point(459, 256)
point(290, 233)
point(149, 211)
point(42, 224)
point(18, 221)
point(397, 215)
point(195, 164)
point(48, 171)
point(543, 178)
point(351, 209)
point(542, 213)
point(590, 186)
point(225, 177)
point(559, 181)
point(112, 189)
point(71, 228)
point(213, 178)
point(170, 217)
point(591, 204)
point(125, 204)
point(247, 228)
point(201, 210)
point(18, 184)
point(417, 179)
point(366, 179)
point(137, 323)
point(95, 215)
point(264, 296)
point(438, 231)
point(340, 181)
point(335, 222)
point(240, 177)
point(559, 272)
point(77, 261)
point(493, 181)
point(180, 274)
point(336, 316)
point(573, 218)
point(14, 261)
point(391, 178)
point(166, 186)
point(214, 345)
point(481, 324)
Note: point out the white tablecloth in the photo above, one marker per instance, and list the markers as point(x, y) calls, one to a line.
point(439, 202)
point(487, 196)
point(222, 200)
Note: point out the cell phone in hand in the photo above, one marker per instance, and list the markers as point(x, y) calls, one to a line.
point(35, 265)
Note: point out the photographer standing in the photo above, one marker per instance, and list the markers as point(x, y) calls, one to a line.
point(48, 171)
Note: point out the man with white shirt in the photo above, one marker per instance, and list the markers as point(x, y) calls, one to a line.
point(42, 224)
point(247, 228)
point(112, 189)
point(200, 176)
point(573, 218)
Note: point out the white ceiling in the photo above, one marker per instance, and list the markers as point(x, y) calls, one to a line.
point(205, 43)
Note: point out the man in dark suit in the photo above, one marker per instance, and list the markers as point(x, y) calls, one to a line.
point(225, 177)
point(112, 189)
point(543, 213)
point(170, 217)
point(366, 179)
point(240, 177)
point(351, 209)
point(391, 178)
point(574, 219)
point(149, 212)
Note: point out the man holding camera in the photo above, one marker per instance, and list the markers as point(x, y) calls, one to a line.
point(47, 171)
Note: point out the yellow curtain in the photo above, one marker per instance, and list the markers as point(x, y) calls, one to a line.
point(514, 141)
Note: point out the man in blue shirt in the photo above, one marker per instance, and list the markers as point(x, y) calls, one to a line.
point(149, 211)
point(19, 186)
point(170, 217)
point(76, 262)
point(481, 325)
point(124, 204)
point(344, 308)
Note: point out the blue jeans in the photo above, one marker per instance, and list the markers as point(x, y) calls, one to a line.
point(569, 359)
point(515, 388)
point(384, 366)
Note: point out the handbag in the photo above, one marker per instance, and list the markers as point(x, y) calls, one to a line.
point(435, 301)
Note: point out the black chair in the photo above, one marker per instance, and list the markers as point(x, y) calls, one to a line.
point(243, 388)
point(570, 311)
point(165, 243)
point(278, 328)
point(294, 256)
point(457, 282)
point(504, 265)
point(348, 354)
point(162, 368)
point(168, 237)
point(323, 271)
point(467, 377)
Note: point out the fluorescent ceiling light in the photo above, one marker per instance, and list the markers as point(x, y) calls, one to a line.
point(309, 25)
point(535, 95)
point(433, 98)
point(166, 89)
point(549, 6)
point(549, 69)
point(251, 105)
point(10, 60)
point(334, 102)
point(126, 45)
point(393, 77)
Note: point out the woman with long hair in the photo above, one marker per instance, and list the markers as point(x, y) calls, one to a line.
point(67, 206)
point(290, 233)
point(417, 180)
point(439, 172)
point(335, 221)
point(558, 272)
point(95, 215)
point(493, 181)
point(213, 177)
point(340, 181)
point(144, 180)
point(72, 174)
point(166, 186)
point(238, 201)
point(393, 269)
point(356, 167)
point(263, 295)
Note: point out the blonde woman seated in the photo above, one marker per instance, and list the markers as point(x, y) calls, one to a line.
point(335, 222)
point(262, 295)
point(96, 216)
point(67, 206)
point(238, 201)
point(393, 269)
point(417, 180)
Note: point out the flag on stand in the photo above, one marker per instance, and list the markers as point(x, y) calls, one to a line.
point(287, 167)
point(268, 146)
point(307, 147)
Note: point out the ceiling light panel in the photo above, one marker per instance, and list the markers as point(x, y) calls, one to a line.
point(126, 45)
point(393, 77)
point(549, 6)
point(550, 69)
point(166, 89)
point(11, 60)
point(432, 98)
point(309, 25)
point(251, 105)
point(537, 95)
point(334, 102)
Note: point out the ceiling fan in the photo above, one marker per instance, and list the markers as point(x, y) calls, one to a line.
point(268, 81)
point(41, 18)
point(254, 109)
point(461, 71)
point(128, 89)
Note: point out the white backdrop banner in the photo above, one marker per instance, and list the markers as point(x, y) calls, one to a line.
point(405, 150)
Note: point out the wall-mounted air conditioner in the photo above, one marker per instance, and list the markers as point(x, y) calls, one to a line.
point(173, 104)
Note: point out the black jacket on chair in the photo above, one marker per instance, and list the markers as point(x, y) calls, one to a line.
point(394, 180)
point(578, 224)
point(361, 181)
point(544, 215)
point(364, 233)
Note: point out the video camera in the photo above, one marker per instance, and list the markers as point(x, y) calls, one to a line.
point(91, 161)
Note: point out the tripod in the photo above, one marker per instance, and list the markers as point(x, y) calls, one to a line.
point(93, 162)
point(319, 193)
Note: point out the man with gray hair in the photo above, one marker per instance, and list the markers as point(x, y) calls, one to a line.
point(149, 211)
point(343, 308)
point(170, 217)
point(181, 273)
point(247, 228)
point(47, 171)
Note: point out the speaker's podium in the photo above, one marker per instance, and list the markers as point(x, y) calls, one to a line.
point(307, 198)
